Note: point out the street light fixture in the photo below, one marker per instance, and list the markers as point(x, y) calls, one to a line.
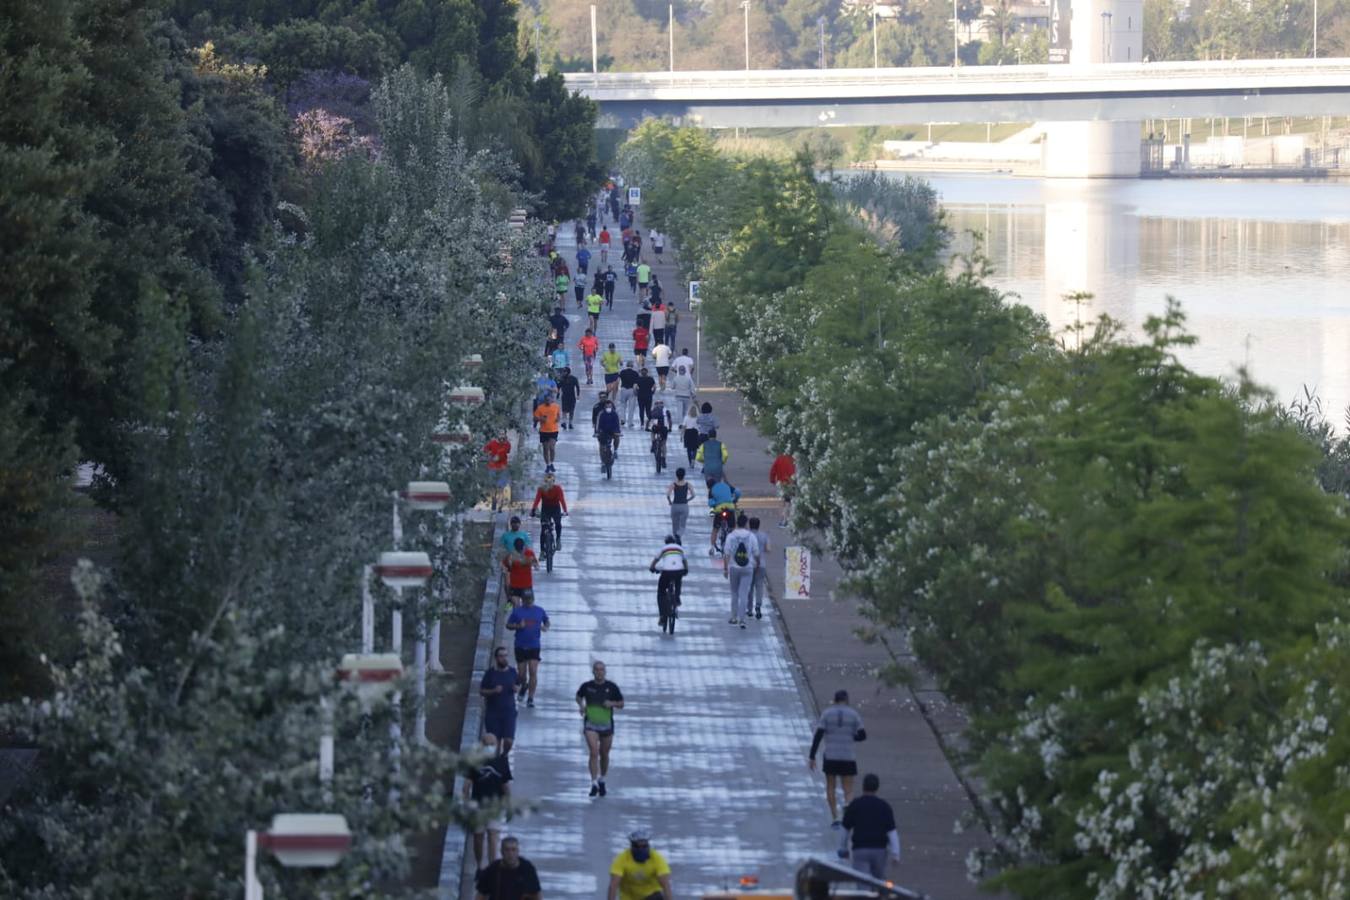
point(745, 5)
point(298, 840)
point(884, 12)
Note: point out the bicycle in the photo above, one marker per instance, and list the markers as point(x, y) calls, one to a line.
point(607, 455)
point(659, 451)
point(548, 544)
point(723, 521)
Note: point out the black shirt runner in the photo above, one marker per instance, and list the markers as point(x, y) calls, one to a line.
point(598, 716)
point(490, 778)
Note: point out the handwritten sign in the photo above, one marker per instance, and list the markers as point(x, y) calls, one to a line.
point(798, 576)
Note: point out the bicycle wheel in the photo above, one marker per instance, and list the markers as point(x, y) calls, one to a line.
point(546, 546)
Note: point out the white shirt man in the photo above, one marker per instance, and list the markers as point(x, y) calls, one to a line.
point(684, 359)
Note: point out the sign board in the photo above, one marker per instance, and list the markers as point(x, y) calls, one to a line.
point(1061, 42)
point(635, 196)
point(695, 294)
point(798, 576)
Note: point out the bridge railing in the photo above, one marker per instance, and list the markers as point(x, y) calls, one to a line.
point(1332, 70)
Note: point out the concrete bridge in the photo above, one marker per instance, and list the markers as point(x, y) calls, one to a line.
point(1095, 92)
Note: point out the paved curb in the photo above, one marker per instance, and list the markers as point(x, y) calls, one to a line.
point(455, 851)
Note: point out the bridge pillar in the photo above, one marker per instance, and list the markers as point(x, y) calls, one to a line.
point(1096, 31)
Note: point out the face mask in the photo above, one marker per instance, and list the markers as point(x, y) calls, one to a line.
point(641, 854)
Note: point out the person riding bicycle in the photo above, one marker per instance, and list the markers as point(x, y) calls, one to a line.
point(722, 497)
point(670, 563)
point(607, 426)
point(659, 424)
point(549, 494)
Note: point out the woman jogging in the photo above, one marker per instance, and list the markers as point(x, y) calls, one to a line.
point(678, 495)
point(692, 439)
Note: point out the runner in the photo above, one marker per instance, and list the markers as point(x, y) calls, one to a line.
point(604, 246)
point(508, 538)
point(559, 359)
point(594, 303)
point(682, 386)
point(519, 566)
point(611, 362)
point(611, 279)
point(631, 270)
point(760, 585)
point(498, 689)
point(597, 699)
point(840, 727)
point(627, 393)
point(498, 452)
point(689, 426)
point(529, 622)
point(658, 320)
point(641, 339)
point(646, 392)
point(561, 284)
point(583, 260)
point(670, 563)
point(488, 786)
point(589, 345)
point(569, 389)
point(678, 495)
point(513, 877)
point(740, 559)
point(658, 244)
point(547, 416)
point(550, 495)
point(644, 279)
point(640, 873)
point(661, 360)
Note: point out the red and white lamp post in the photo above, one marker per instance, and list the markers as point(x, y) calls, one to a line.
point(297, 840)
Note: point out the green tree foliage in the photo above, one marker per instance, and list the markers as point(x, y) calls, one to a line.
point(1131, 575)
point(562, 123)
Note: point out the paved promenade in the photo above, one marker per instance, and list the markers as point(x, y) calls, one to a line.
point(709, 752)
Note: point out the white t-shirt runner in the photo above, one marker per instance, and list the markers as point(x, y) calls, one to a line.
point(661, 355)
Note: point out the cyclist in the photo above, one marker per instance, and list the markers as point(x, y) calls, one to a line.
point(639, 873)
point(607, 427)
point(722, 497)
point(658, 423)
point(670, 563)
point(549, 494)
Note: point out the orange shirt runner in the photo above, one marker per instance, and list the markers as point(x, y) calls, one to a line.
point(547, 415)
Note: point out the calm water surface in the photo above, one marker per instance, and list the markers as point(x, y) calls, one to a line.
point(1261, 268)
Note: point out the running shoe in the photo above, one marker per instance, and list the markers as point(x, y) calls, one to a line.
point(602, 789)
point(530, 703)
point(595, 789)
point(759, 613)
point(732, 621)
point(742, 623)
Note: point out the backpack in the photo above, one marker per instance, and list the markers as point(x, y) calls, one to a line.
point(741, 556)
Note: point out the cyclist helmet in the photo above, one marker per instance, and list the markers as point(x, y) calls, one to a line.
point(638, 836)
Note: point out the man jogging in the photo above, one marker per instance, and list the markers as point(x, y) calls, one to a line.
point(644, 280)
point(611, 279)
point(548, 416)
point(839, 728)
point(610, 363)
point(519, 566)
point(594, 303)
point(740, 559)
point(597, 699)
point(870, 822)
point(589, 346)
point(604, 246)
point(569, 389)
point(498, 690)
point(529, 622)
point(488, 786)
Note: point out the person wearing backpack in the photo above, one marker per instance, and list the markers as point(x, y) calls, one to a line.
point(740, 559)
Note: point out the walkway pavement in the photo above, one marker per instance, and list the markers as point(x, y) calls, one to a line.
point(710, 748)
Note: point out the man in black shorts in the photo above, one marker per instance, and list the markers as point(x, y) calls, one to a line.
point(597, 699)
point(839, 728)
point(529, 622)
point(513, 877)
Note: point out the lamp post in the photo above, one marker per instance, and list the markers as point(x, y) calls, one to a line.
point(1106, 31)
point(820, 23)
point(874, 36)
point(745, 6)
point(399, 570)
point(956, 39)
point(1314, 29)
point(670, 29)
point(298, 840)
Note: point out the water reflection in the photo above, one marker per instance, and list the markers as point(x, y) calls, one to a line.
point(1261, 268)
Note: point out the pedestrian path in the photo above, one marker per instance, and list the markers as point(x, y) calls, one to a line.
point(710, 749)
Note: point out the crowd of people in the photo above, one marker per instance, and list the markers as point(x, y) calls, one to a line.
point(652, 391)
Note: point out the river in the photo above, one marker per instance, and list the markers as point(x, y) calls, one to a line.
point(1261, 268)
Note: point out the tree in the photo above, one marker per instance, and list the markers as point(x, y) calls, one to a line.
point(563, 126)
